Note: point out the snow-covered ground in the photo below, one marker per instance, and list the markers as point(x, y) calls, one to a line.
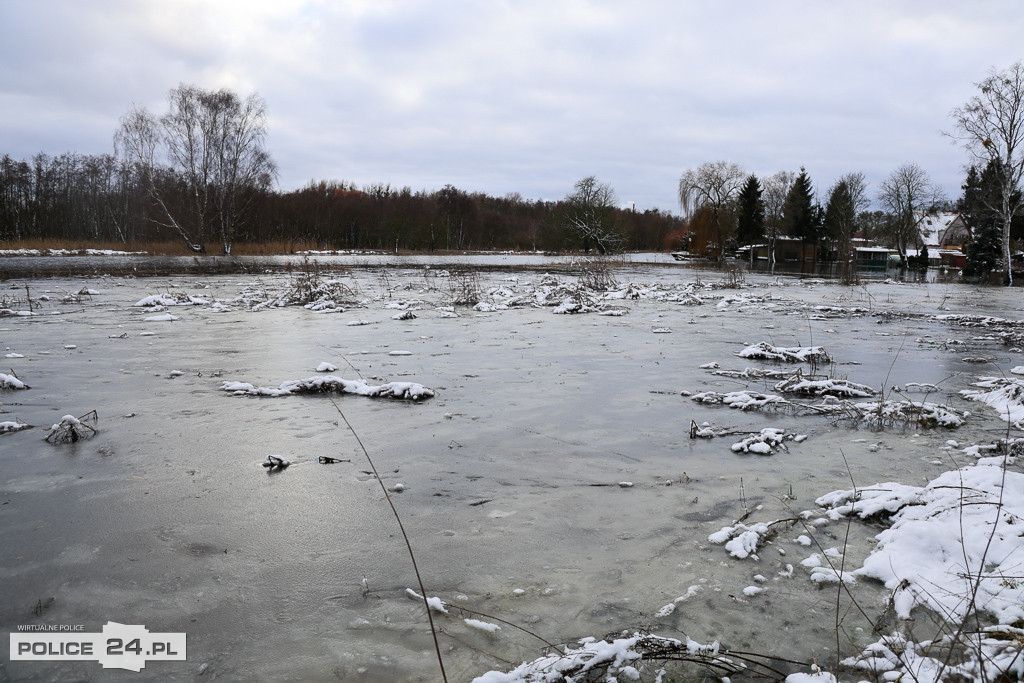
point(551, 477)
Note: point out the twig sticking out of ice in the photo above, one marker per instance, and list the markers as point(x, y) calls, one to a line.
point(796, 354)
point(11, 382)
point(330, 384)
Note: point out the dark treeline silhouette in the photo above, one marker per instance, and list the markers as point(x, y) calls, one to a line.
point(96, 198)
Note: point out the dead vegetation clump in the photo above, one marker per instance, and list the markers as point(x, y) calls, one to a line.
point(598, 274)
point(464, 288)
point(877, 415)
point(11, 426)
point(72, 429)
point(311, 289)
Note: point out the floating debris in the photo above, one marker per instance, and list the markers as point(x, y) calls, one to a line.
point(276, 462)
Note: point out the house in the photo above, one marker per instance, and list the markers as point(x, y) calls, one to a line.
point(942, 230)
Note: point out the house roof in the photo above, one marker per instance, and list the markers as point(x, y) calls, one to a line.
point(935, 226)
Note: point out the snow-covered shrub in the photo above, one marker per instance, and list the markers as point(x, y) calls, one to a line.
point(71, 429)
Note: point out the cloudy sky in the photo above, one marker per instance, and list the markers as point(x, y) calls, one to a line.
point(522, 96)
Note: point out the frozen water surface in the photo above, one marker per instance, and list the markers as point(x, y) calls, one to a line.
point(511, 481)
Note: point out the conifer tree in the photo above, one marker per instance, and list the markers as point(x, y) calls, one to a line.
point(800, 215)
point(977, 206)
point(750, 221)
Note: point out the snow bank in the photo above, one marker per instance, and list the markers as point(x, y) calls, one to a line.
point(1004, 394)
point(960, 530)
point(330, 384)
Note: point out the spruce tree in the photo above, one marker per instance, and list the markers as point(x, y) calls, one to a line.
point(840, 224)
point(979, 209)
point(750, 214)
point(799, 214)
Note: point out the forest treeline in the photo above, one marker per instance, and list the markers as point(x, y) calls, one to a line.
point(97, 198)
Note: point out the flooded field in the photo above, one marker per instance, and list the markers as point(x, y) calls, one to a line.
point(551, 483)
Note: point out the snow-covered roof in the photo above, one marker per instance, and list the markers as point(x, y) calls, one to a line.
point(934, 225)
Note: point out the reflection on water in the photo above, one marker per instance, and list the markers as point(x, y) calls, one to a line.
point(510, 476)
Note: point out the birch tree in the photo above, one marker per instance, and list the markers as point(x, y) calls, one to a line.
point(990, 126)
point(776, 188)
point(203, 163)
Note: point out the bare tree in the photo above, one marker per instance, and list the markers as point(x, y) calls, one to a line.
point(775, 189)
point(991, 127)
point(906, 194)
point(590, 215)
point(712, 186)
point(203, 162)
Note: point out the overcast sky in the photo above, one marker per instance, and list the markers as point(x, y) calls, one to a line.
point(522, 96)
